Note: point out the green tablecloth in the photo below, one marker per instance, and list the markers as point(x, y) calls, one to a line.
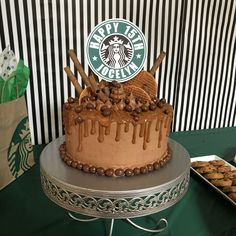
point(26, 211)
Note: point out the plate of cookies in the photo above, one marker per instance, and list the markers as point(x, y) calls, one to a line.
point(218, 173)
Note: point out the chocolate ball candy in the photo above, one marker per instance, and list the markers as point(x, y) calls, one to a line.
point(152, 106)
point(128, 108)
point(100, 171)
point(71, 100)
point(144, 170)
point(150, 167)
point(94, 97)
point(127, 101)
point(139, 99)
point(160, 104)
point(162, 163)
point(79, 119)
point(109, 172)
point(74, 164)
point(86, 168)
point(90, 106)
point(144, 108)
point(92, 169)
point(67, 106)
point(163, 100)
point(68, 162)
point(106, 112)
point(79, 166)
point(138, 110)
point(79, 108)
point(115, 84)
point(128, 172)
point(119, 172)
point(103, 107)
point(156, 165)
point(136, 171)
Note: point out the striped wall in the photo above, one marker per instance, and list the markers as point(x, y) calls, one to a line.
point(197, 76)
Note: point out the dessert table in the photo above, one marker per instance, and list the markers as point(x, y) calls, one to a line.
point(25, 210)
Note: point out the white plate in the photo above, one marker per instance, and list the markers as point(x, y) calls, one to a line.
point(211, 158)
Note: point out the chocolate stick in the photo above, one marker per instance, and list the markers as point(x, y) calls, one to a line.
point(93, 83)
point(157, 63)
point(78, 67)
point(73, 80)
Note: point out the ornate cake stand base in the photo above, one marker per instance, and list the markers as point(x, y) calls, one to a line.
point(115, 198)
point(160, 228)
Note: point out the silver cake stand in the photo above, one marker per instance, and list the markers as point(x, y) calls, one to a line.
point(114, 198)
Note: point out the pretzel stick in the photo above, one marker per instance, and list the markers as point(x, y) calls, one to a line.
point(157, 63)
point(78, 67)
point(73, 80)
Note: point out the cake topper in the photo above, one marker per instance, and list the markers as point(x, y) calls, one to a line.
point(116, 50)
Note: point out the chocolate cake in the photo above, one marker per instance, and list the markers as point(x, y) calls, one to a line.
point(116, 129)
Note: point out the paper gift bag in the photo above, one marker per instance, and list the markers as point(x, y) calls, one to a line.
point(16, 151)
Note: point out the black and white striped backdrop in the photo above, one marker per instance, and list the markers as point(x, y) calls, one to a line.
point(197, 76)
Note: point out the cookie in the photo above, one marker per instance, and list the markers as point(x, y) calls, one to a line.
point(229, 189)
point(137, 92)
point(230, 174)
point(145, 81)
point(197, 164)
point(206, 169)
point(214, 175)
point(234, 182)
point(232, 196)
point(221, 182)
point(217, 162)
point(223, 169)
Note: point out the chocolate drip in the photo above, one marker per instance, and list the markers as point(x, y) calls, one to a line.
point(166, 121)
point(118, 131)
point(101, 134)
point(108, 129)
point(142, 130)
point(126, 127)
point(93, 127)
point(157, 124)
point(86, 133)
point(80, 137)
point(134, 134)
point(149, 131)
point(160, 134)
point(145, 136)
point(168, 125)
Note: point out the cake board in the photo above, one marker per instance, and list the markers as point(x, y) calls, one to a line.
point(114, 198)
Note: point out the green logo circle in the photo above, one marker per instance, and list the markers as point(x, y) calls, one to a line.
point(116, 50)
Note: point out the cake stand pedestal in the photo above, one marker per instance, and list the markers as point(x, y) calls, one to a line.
point(114, 198)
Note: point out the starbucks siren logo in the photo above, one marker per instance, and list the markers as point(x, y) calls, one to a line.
point(116, 50)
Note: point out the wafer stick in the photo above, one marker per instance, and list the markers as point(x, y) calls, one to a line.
point(78, 67)
point(93, 83)
point(73, 80)
point(157, 63)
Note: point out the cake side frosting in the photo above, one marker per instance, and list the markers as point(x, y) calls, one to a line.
point(123, 133)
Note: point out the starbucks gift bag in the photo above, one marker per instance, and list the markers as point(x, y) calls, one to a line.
point(16, 151)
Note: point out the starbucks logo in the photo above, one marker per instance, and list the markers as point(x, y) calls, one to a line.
point(20, 150)
point(116, 50)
